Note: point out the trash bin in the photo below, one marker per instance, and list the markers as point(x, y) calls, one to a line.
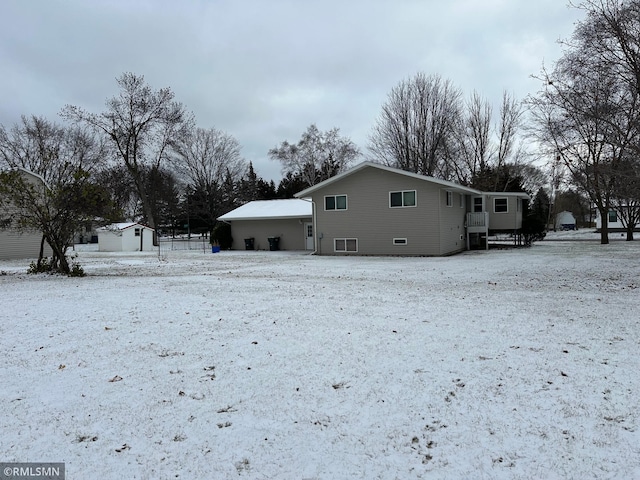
point(215, 248)
point(274, 243)
point(248, 244)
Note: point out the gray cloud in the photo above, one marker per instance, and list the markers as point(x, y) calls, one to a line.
point(264, 70)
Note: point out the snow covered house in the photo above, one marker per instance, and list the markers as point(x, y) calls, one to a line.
point(18, 244)
point(373, 209)
point(255, 225)
point(125, 237)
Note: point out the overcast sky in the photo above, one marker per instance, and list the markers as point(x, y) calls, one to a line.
point(264, 70)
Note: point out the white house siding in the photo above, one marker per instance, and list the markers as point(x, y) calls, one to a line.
point(16, 245)
point(125, 240)
point(131, 243)
point(109, 241)
point(370, 219)
point(290, 231)
point(617, 226)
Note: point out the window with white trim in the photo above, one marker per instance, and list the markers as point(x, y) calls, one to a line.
point(613, 216)
point(500, 205)
point(345, 244)
point(404, 198)
point(399, 241)
point(335, 202)
point(449, 198)
point(137, 232)
point(477, 205)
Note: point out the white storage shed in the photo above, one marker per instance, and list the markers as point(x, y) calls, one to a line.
point(125, 237)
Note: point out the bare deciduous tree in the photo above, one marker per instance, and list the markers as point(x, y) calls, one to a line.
point(209, 160)
point(317, 156)
point(140, 123)
point(416, 122)
point(204, 156)
point(588, 109)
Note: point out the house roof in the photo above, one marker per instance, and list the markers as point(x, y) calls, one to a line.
point(508, 194)
point(123, 226)
point(33, 174)
point(450, 185)
point(270, 210)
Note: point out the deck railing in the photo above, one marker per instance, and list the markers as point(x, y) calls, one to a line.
point(477, 219)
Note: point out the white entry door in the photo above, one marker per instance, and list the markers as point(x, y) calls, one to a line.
point(308, 232)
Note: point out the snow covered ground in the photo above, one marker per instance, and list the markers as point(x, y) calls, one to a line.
point(515, 364)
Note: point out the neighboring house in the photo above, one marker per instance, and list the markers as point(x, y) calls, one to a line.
point(565, 221)
point(15, 244)
point(125, 237)
point(253, 224)
point(615, 223)
point(373, 209)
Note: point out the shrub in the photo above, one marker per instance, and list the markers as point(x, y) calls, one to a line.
point(221, 235)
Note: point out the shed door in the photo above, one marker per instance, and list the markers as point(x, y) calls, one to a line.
point(308, 232)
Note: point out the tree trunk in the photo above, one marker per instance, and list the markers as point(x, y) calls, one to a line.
point(60, 262)
point(41, 254)
point(630, 233)
point(604, 228)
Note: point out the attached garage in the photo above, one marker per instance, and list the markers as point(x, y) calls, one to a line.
point(260, 224)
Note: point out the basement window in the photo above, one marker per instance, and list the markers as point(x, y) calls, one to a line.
point(399, 241)
point(345, 244)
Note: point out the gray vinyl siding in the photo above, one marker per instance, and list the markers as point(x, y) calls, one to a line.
point(16, 245)
point(290, 231)
point(370, 219)
point(510, 221)
point(452, 231)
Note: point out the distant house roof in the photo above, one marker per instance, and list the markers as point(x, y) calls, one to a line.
point(360, 166)
point(270, 210)
point(122, 226)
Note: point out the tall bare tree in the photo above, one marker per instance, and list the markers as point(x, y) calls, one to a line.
point(208, 160)
point(317, 156)
point(485, 152)
point(416, 122)
point(140, 123)
point(588, 109)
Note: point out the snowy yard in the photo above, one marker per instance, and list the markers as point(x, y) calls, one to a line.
point(263, 365)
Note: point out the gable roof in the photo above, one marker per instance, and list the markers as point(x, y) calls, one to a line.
point(450, 185)
point(270, 210)
point(123, 226)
